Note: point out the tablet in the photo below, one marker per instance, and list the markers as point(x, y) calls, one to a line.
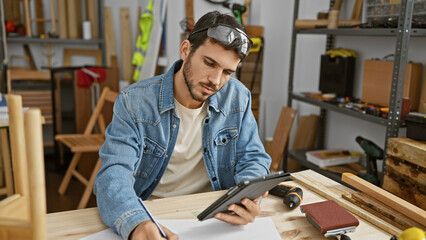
point(251, 189)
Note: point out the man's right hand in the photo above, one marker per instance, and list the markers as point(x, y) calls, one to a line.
point(147, 230)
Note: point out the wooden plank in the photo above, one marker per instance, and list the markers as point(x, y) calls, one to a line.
point(308, 23)
point(13, 10)
point(379, 209)
point(92, 17)
point(332, 190)
point(72, 19)
point(69, 52)
point(247, 4)
point(408, 150)
point(406, 181)
point(53, 17)
point(357, 10)
point(29, 56)
point(40, 15)
point(189, 9)
point(306, 135)
point(387, 198)
point(27, 18)
point(422, 104)
point(126, 45)
point(109, 36)
point(62, 18)
point(281, 133)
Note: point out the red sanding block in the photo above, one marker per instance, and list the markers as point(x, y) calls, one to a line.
point(330, 218)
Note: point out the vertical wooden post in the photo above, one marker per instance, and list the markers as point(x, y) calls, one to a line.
point(27, 18)
point(62, 18)
point(126, 42)
point(91, 16)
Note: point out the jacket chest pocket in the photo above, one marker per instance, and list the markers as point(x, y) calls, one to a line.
point(226, 144)
point(152, 153)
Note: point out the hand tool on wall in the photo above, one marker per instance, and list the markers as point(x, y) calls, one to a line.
point(292, 196)
point(373, 152)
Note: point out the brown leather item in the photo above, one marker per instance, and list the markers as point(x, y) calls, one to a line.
point(328, 215)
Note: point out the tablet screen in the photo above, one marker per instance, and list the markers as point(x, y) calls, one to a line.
point(251, 189)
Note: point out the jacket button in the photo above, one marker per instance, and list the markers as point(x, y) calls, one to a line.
point(205, 149)
point(207, 121)
point(214, 179)
point(174, 125)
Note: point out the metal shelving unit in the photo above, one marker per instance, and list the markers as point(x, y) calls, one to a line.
point(393, 122)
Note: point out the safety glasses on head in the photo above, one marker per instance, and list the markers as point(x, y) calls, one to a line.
point(227, 34)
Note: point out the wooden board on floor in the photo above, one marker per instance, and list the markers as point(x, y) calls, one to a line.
point(126, 45)
point(305, 138)
point(333, 191)
point(386, 197)
point(92, 17)
point(279, 141)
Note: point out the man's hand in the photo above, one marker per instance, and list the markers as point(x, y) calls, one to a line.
point(242, 215)
point(147, 230)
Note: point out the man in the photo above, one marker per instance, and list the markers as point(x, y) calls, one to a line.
point(189, 130)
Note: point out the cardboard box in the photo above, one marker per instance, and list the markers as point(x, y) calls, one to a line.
point(377, 80)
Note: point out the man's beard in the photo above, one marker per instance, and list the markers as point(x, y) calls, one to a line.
point(187, 74)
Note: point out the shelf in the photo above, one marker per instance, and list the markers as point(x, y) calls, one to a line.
point(300, 157)
point(415, 32)
point(346, 111)
point(28, 40)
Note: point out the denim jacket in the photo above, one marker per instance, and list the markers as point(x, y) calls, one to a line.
point(141, 137)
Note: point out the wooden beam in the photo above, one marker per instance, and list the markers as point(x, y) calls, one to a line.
point(53, 16)
point(189, 10)
point(247, 4)
point(92, 17)
point(126, 45)
point(356, 12)
point(279, 141)
point(72, 18)
point(109, 36)
point(408, 209)
point(62, 18)
point(27, 18)
point(40, 15)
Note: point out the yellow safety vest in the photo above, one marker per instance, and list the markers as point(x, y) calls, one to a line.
point(145, 23)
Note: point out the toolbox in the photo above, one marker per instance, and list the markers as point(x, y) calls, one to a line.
point(416, 126)
point(337, 75)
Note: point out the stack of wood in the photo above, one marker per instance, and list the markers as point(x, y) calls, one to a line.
point(383, 204)
point(406, 170)
point(251, 70)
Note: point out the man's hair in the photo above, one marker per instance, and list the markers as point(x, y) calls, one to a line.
point(209, 19)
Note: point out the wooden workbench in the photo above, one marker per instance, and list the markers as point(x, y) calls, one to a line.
point(291, 224)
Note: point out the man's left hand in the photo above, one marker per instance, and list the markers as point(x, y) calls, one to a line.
point(242, 215)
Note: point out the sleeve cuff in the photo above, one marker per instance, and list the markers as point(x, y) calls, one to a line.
point(126, 223)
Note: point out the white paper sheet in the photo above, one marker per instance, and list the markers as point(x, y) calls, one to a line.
point(212, 229)
point(106, 234)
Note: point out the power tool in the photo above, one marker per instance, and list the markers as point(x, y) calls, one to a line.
point(292, 196)
point(373, 152)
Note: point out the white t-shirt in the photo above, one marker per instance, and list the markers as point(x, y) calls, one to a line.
point(186, 172)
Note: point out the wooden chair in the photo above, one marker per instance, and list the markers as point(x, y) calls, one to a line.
point(37, 98)
point(84, 143)
point(23, 215)
point(281, 134)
